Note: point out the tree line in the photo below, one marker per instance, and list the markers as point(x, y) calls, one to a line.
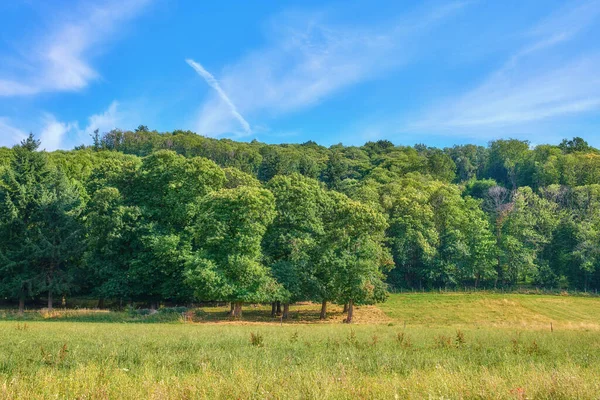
point(176, 217)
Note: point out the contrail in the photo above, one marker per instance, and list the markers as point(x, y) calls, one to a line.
point(212, 82)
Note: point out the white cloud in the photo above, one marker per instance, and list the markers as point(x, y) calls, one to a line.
point(212, 82)
point(12, 88)
point(310, 60)
point(9, 135)
point(214, 119)
point(104, 122)
point(55, 134)
point(112, 118)
point(60, 60)
point(534, 84)
point(522, 96)
point(568, 21)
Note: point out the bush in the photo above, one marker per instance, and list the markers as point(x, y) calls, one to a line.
point(172, 310)
point(140, 312)
point(256, 339)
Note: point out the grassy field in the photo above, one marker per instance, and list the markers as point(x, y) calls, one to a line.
point(413, 346)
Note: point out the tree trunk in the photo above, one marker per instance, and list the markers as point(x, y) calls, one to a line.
point(286, 310)
point(345, 308)
point(323, 310)
point(100, 303)
point(232, 309)
point(278, 308)
point(350, 312)
point(21, 304)
point(273, 309)
point(237, 310)
point(50, 300)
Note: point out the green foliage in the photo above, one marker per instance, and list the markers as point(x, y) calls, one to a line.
point(291, 241)
point(176, 217)
point(113, 229)
point(226, 259)
point(576, 144)
point(355, 251)
point(167, 185)
point(479, 188)
point(505, 156)
point(525, 230)
point(235, 178)
point(40, 232)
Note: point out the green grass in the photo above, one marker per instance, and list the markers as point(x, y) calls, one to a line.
point(429, 345)
point(89, 315)
point(525, 311)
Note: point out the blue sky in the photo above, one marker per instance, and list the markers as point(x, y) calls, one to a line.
point(434, 72)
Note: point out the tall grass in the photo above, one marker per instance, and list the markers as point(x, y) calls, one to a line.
point(93, 315)
point(431, 346)
point(69, 360)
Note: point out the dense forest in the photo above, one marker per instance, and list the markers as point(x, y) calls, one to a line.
point(142, 216)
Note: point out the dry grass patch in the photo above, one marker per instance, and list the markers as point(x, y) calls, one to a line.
point(495, 310)
point(300, 313)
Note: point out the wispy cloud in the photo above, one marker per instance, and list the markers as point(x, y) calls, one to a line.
point(55, 134)
point(110, 119)
point(212, 82)
point(309, 60)
point(568, 21)
point(523, 96)
point(60, 60)
point(534, 84)
point(9, 134)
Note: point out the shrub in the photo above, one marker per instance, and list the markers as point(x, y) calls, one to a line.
point(172, 310)
point(22, 327)
point(442, 341)
point(404, 340)
point(256, 339)
point(294, 337)
point(460, 338)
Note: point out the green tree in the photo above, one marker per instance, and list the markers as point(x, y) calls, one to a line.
point(412, 234)
point(440, 165)
point(576, 144)
point(356, 255)
point(226, 263)
point(470, 161)
point(235, 178)
point(41, 237)
point(525, 230)
point(291, 240)
point(113, 232)
point(505, 157)
point(167, 185)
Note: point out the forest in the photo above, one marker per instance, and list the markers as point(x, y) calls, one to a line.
point(148, 217)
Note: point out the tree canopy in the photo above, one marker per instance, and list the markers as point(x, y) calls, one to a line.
point(176, 217)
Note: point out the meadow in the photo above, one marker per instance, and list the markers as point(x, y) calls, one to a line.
point(413, 346)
